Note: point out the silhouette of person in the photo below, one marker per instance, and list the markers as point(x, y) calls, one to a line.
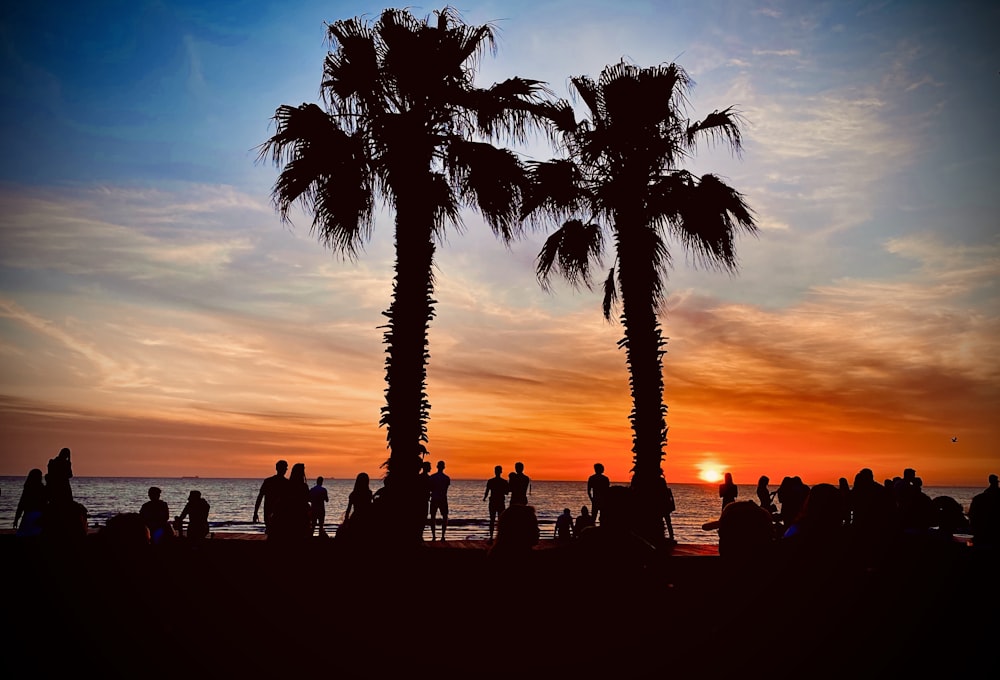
point(583, 521)
point(318, 498)
point(791, 494)
point(520, 485)
point(668, 506)
point(517, 533)
point(196, 510)
point(295, 514)
point(156, 516)
point(764, 496)
point(31, 506)
point(728, 490)
point(597, 486)
point(746, 533)
point(984, 516)
point(439, 499)
point(60, 471)
point(425, 484)
point(563, 530)
point(360, 498)
point(271, 492)
point(497, 489)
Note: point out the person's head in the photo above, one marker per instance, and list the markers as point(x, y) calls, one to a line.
point(994, 480)
point(567, 512)
point(298, 472)
point(517, 528)
point(498, 470)
point(584, 510)
point(319, 481)
point(154, 493)
point(598, 468)
point(194, 495)
point(282, 467)
point(745, 531)
point(34, 477)
point(64, 454)
point(361, 481)
point(440, 465)
point(763, 481)
point(729, 478)
point(425, 467)
point(519, 467)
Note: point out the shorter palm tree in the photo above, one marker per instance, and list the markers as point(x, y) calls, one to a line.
point(621, 183)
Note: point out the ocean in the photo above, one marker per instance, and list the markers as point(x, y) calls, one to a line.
point(232, 502)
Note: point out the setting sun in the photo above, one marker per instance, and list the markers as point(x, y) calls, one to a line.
point(709, 472)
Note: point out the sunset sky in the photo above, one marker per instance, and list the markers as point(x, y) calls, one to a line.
point(157, 317)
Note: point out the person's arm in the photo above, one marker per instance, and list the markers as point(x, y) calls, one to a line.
point(486, 492)
point(256, 506)
point(19, 512)
point(590, 490)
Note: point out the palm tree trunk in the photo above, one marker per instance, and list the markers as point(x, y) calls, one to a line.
point(406, 411)
point(644, 350)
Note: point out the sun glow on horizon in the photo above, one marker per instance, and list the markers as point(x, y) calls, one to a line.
point(710, 472)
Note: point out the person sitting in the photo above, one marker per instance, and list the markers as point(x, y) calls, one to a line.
point(197, 511)
point(563, 530)
point(155, 515)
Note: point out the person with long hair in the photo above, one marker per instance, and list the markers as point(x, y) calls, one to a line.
point(28, 516)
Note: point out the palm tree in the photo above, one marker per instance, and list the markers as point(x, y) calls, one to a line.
point(403, 121)
point(622, 178)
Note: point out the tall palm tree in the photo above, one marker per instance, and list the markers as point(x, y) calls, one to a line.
point(621, 177)
point(403, 120)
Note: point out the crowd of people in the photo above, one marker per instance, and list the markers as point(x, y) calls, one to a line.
point(866, 518)
point(867, 514)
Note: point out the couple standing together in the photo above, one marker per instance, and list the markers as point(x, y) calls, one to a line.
point(517, 484)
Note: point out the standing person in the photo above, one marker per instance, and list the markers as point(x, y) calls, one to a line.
point(669, 505)
point(28, 516)
point(60, 471)
point(155, 514)
point(271, 491)
point(295, 507)
point(196, 510)
point(360, 498)
point(318, 498)
point(520, 485)
point(425, 485)
point(597, 486)
point(984, 515)
point(728, 490)
point(497, 489)
point(439, 499)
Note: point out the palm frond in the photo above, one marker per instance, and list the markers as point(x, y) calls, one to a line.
point(491, 180)
point(610, 294)
point(720, 126)
point(571, 251)
point(706, 216)
point(554, 191)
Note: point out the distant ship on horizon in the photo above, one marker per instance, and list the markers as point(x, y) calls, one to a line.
point(192, 477)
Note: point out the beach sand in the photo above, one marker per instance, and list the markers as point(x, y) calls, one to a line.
point(242, 608)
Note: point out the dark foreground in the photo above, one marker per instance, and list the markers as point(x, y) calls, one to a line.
point(251, 609)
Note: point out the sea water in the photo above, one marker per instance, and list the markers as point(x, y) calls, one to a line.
point(232, 502)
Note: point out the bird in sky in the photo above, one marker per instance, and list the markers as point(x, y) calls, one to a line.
point(954, 440)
